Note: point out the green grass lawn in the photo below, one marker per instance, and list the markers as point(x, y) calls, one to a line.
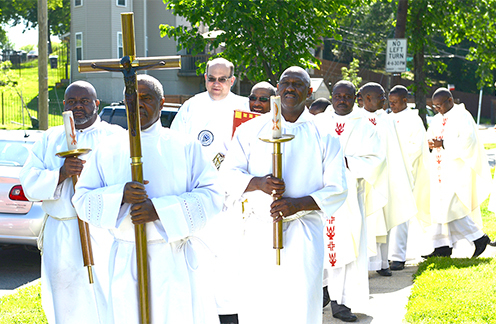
point(27, 85)
point(450, 290)
point(23, 307)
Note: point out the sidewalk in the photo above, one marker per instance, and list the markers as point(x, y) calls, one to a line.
point(389, 295)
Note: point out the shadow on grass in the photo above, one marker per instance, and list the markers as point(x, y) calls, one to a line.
point(55, 107)
point(442, 263)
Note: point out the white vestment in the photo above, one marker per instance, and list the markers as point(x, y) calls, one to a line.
point(347, 243)
point(312, 165)
point(460, 175)
point(211, 122)
point(182, 187)
point(413, 141)
point(401, 204)
point(67, 296)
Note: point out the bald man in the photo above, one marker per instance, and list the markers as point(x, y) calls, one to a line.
point(401, 204)
point(319, 106)
point(460, 177)
point(292, 291)
point(47, 177)
point(208, 116)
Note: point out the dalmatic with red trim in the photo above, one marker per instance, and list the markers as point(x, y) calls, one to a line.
point(460, 175)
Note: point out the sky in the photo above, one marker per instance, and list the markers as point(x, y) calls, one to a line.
point(20, 39)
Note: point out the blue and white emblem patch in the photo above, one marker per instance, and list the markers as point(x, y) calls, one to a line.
point(206, 137)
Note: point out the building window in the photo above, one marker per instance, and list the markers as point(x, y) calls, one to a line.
point(120, 50)
point(78, 3)
point(79, 46)
point(120, 3)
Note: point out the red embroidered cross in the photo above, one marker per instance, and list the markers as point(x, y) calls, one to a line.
point(339, 128)
point(331, 246)
point(332, 259)
point(372, 120)
point(333, 218)
point(445, 119)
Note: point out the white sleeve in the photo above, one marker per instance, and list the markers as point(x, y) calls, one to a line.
point(38, 180)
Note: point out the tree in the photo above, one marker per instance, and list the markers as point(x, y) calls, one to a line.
point(14, 12)
point(351, 73)
point(263, 37)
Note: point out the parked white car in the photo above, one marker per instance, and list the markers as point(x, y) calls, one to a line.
point(20, 219)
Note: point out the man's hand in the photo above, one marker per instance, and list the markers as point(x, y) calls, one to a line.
point(72, 167)
point(289, 206)
point(143, 212)
point(268, 184)
point(134, 192)
point(433, 143)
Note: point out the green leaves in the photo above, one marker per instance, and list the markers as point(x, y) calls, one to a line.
point(262, 38)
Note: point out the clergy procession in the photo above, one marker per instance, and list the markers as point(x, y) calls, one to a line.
point(264, 218)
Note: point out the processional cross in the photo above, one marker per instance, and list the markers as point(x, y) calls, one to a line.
point(129, 65)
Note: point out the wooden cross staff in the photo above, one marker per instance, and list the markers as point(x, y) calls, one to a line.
point(129, 65)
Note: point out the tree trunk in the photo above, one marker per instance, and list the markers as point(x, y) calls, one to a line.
point(400, 31)
point(42, 65)
point(419, 81)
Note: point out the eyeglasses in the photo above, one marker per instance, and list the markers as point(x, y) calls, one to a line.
point(439, 106)
point(255, 98)
point(220, 79)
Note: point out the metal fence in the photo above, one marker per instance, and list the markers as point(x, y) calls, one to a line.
point(14, 110)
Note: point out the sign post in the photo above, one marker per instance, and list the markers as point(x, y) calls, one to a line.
point(396, 55)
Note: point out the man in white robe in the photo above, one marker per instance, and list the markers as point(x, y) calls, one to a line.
point(178, 198)
point(347, 242)
point(67, 295)
point(313, 186)
point(401, 204)
point(208, 116)
point(460, 177)
point(412, 138)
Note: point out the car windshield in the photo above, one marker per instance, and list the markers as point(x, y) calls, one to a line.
point(13, 153)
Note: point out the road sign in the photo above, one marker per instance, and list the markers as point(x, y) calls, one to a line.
point(396, 55)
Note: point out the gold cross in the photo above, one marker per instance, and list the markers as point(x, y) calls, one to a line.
point(129, 65)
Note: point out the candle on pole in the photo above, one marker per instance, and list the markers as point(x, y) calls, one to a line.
point(275, 108)
point(73, 151)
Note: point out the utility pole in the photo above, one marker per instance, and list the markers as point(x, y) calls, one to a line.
point(42, 64)
point(400, 32)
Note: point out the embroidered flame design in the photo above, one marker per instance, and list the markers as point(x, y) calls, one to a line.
point(330, 233)
point(73, 135)
point(339, 128)
point(276, 122)
point(332, 259)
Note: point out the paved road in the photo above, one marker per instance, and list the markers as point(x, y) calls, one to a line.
point(18, 267)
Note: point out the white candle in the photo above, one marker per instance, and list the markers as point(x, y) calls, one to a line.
point(70, 130)
point(275, 107)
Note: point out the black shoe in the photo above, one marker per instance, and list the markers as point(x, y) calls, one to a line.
point(397, 265)
point(480, 245)
point(385, 272)
point(443, 251)
point(493, 243)
point(327, 299)
point(229, 319)
point(345, 316)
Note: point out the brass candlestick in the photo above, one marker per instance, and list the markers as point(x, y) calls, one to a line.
point(84, 230)
point(277, 172)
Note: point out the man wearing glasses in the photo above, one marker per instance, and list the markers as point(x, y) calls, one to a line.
point(260, 97)
point(460, 177)
point(208, 116)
